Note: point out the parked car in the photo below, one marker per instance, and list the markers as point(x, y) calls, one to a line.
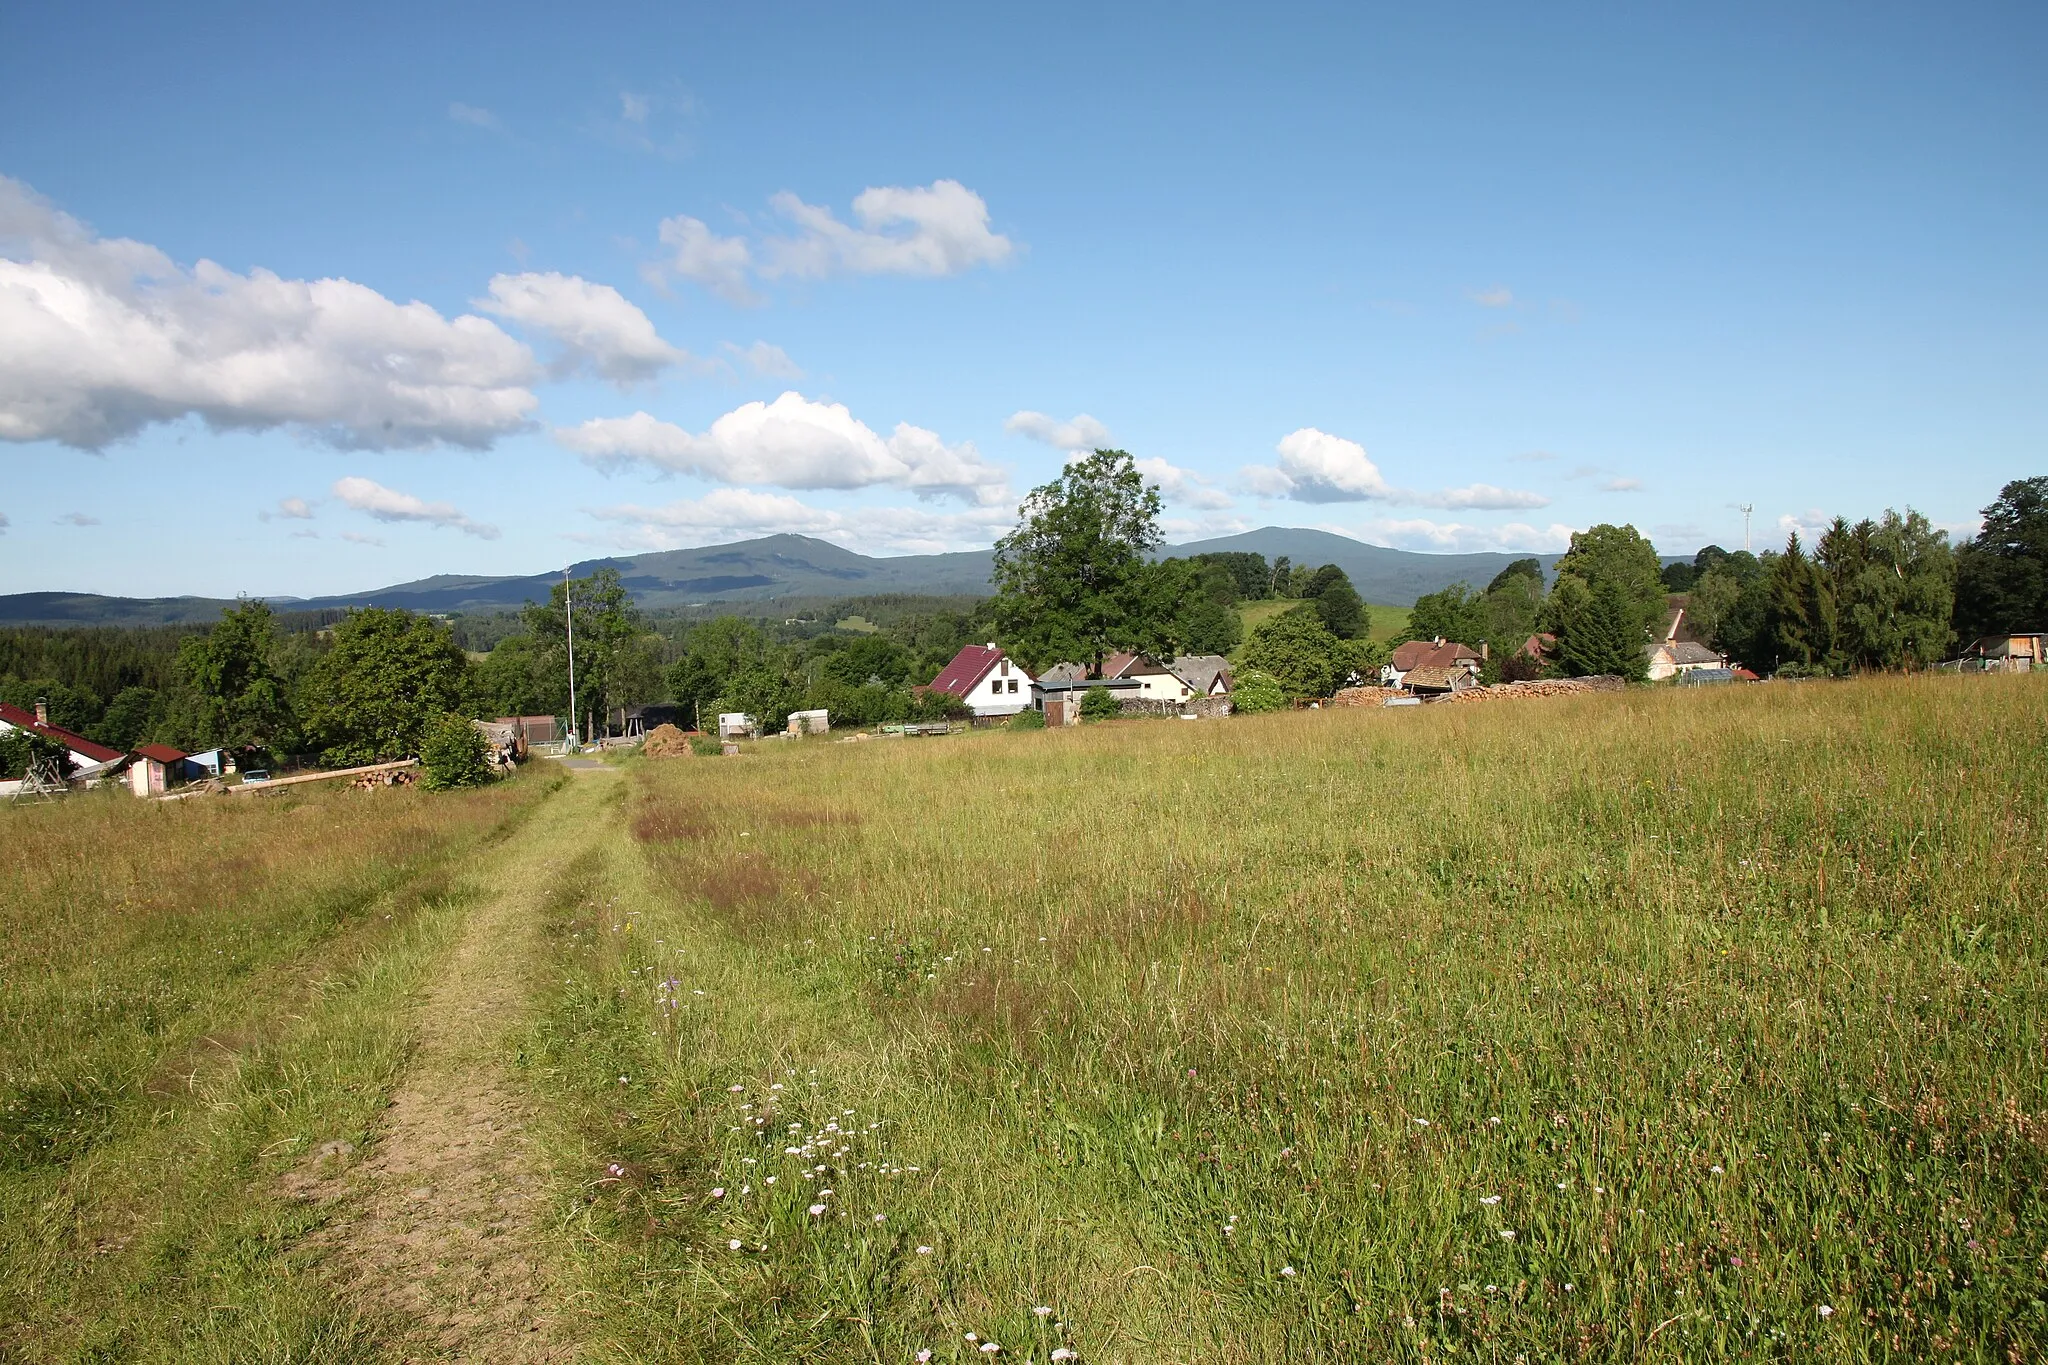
point(255, 775)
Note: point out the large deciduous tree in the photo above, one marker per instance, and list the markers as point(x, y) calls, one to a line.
point(389, 676)
point(243, 703)
point(615, 656)
point(1072, 579)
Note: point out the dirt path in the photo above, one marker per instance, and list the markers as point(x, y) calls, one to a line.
point(439, 1240)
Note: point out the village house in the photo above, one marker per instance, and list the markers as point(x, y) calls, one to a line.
point(1675, 654)
point(818, 722)
point(1155, 681)
point(1438, 659)
point(88, 760)
point(1060, 690)
point(154, 769)
point(988, 680)
point(1206, 675)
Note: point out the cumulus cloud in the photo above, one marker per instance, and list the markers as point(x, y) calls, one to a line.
point(1183, 487)
point(1079, 432)
point(764, 359)
point(728, 513)
point(1622, 486)
point(795, 443)
point(931, 230)
point(1500, 296)
point(720, 264)
point(100, 337)
point(390, 505)
point(1451, 537)
point(288, 509)
point(936, 229)
point(1315, 466)
point(593, 324)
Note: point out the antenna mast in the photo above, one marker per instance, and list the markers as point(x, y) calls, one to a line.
point(569, 605)
point(1747, 508)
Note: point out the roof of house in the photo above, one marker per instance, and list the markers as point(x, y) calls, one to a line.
point(968, 668)
point(161, 753)
point(1061, 673)
point(1744, 675)
point(1083, 684)
point(1998, 646)
point(1688, 652)
point(1200, 671)
point(1434, 677)
point(57, 734)
point(1538, 646)
point(1119, 663)
point(1431, 654)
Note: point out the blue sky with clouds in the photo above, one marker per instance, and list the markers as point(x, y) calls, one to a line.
point(299, 303)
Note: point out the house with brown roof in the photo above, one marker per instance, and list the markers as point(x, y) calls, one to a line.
point(156, 768)
point(1414, 655)
point(987, 679)
point(1206, 675)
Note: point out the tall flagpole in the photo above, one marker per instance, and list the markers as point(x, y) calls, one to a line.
point(569, 604)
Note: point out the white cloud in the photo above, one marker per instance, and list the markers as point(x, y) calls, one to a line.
point(728, 513)
point(1315, 466)
point(1500, 296)
point(1808, 525)
point(77, 519)
point(1622, 486)
point(593, 323)
point(1080, 432)
point(795, 443)
point(473, 116)
point(720, 264)
point(764, 359)
point(288, 509)
point(390, 505)
point(1318, 467)
point(101, 337)
point(357, 538)
point(936, 229)
point(633, 108)
point(1184, 487)
point(1451, 537)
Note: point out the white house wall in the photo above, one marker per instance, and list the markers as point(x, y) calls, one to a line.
point(986, 700)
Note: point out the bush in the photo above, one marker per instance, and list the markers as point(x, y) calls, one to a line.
point(1255, 692)
point(1028, 720)
point(452, 752)
point(1100, 704)
point(706, 746)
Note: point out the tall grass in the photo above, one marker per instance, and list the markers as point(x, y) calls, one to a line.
point(1661, 1026)
point(193, 996)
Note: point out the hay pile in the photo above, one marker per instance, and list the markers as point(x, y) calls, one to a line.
point(665, 741)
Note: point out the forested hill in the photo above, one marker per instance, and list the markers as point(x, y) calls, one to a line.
point(777, 567)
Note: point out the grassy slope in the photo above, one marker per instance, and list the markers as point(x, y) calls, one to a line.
point(195, 995)
point(1386, 621)
point(1627, 1028)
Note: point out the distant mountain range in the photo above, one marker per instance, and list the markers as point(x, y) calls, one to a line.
point(776, 567)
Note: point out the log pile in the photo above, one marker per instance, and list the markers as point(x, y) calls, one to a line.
point(400, 777)
point(1363, 696)
point(1538, 687)
point(666, 741)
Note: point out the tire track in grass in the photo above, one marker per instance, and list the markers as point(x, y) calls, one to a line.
point(440, 1240)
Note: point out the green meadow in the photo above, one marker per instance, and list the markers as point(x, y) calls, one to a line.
point(1702, 1025)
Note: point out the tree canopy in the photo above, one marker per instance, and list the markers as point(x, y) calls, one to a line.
point(389, 675)
point(2002, 572)
point(1072, 579)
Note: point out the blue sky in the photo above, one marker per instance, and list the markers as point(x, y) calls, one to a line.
point(296, 303)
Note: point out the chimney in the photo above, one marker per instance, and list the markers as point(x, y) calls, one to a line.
point(42, 711)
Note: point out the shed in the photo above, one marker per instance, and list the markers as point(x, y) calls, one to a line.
point(818, 722)
point(156, 769)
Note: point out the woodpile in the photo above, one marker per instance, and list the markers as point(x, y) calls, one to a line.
point(1362, 696)
point(666, 741)
point(401, 777)
point(1538, 687)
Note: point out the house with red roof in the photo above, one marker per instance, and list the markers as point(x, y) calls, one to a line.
point(86, 757)
point(988, 680)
